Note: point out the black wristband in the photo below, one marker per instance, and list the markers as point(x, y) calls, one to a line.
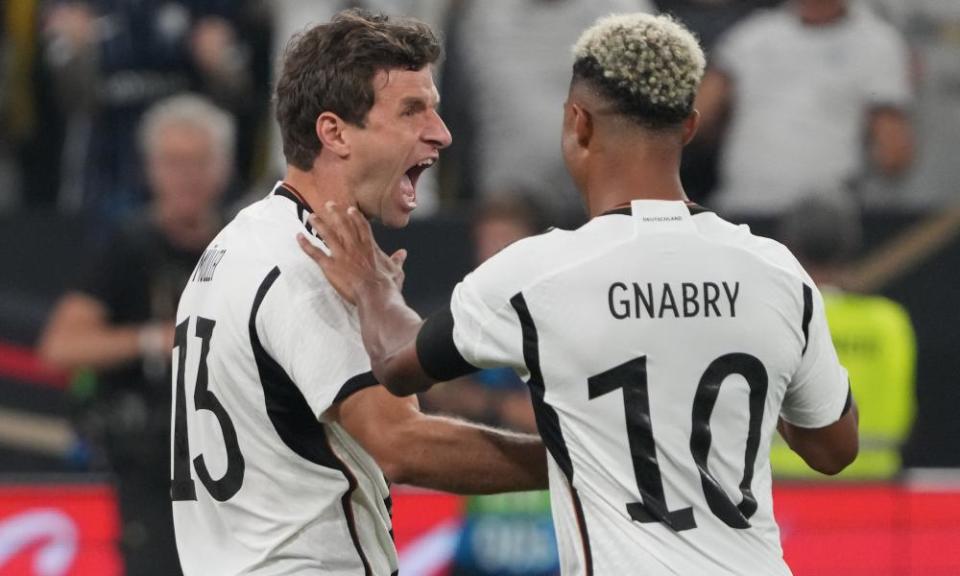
point(436, 350)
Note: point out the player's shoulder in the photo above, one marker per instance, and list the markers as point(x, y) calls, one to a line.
point(522, 263)
point(741, 242)
point(535, 259)
point(266, 235)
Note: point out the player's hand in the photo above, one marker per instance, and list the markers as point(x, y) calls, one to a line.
point(354, 258)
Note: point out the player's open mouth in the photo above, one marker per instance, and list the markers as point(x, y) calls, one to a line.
point(411, 176)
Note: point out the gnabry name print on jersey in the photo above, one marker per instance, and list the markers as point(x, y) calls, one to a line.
point(673, 300)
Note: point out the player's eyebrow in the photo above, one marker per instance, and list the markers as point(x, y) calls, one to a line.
point(413, 104)
point(416, 104)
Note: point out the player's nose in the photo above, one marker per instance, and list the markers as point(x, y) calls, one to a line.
point(437, 132)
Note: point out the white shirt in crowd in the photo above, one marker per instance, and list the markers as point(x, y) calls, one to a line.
point(801, 99)
point(934, 179)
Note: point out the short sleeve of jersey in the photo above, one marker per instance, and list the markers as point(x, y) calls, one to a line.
point(314, 340)
point(486, 327)
point(886, 70)
point(817, 395)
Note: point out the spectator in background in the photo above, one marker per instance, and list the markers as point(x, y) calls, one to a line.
point(113, 59)
point(806, 85)
point(933, 29)
point(709, 20)
point(119, 321)
point(504, 85)
point(873, 336)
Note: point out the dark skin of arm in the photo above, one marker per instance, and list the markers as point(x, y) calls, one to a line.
point(827, 450)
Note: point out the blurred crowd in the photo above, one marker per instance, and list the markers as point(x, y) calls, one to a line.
point(150, 121)
point(802, 97)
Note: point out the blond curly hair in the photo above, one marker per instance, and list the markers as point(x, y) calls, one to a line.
point(649, 66)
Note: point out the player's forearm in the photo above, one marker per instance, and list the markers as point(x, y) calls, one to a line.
point(389, 327)
point(827, 450)
point(464, 458)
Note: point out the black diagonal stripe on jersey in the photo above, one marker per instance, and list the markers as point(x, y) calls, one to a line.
point(548, 421)
point(292, 417)
point(436, 350)
point(584, 535)
point(388, 502)
point(356, 384)
point(807, 315)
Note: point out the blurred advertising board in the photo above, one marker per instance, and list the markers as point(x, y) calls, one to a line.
point(827, 529)
point(58, 529)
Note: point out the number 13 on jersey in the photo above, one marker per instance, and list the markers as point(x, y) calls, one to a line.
point(183, 486)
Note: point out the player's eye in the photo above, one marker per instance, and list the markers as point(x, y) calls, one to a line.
point(413, 108)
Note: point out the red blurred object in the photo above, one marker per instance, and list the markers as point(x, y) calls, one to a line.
point(828, 530)
point(426, 526)
point(58, 529)
point(19, 363)
point(875, 530)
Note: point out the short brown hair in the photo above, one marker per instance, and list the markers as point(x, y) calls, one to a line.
point(330, 67)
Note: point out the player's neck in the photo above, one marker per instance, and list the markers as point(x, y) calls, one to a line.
point(318, 186)
point(621, 179)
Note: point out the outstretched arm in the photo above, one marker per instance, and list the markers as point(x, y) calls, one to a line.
point(363, 274)
point(437, 452)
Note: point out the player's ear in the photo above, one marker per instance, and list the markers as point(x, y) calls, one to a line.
point(690, 126)
point(582, 124)
point(330, 132)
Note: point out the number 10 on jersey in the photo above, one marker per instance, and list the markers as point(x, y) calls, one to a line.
point(631, 376)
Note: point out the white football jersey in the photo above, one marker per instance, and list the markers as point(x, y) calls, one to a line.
point(264, 346)
point(660, 348)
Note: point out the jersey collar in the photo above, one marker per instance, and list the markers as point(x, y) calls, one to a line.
point(285, 190)
point(658, 216)
point(693, 207)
